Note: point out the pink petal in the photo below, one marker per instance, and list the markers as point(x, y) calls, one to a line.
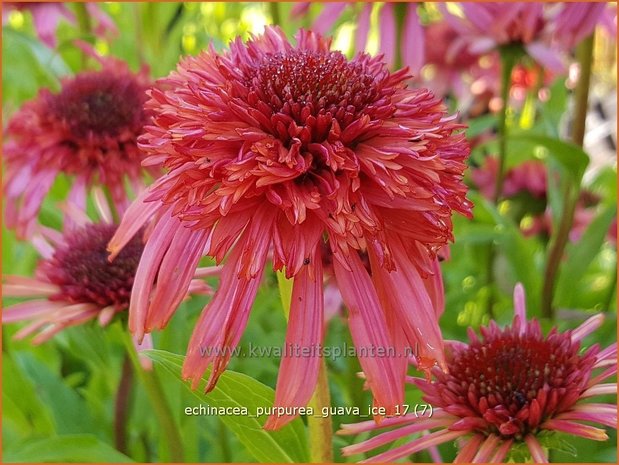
point(102, 205)
point(545, 56)
point(577, 429)
point(485, 451)
point(424, 442)
point(502, 451)
point(600, 389)
point(387, 33)
point(408, 298)
point(587, 327)
point(393, 435)
point(27, 310)
point(328, 16)
point(363, 27)
point(175, 274)
point(147, 270)
point(537, 452)
point(413, 42)
point(369, 331)
point(222, 321)
point(138, 213)
point(298, 373)
point(468, 451)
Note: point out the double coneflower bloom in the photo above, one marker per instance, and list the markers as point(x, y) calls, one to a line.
point(505, 389)
point(274, 147)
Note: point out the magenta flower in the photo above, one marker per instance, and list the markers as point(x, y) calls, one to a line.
point(47, 15)
point(88, 130)
point(446, 51)
point(410, 45)
point(277, 146)
point(75, 282)
point(529, 177)
point(505, 389)
point(546, 31)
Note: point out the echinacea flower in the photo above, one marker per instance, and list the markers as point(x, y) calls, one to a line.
point(88, 131)
point(74, 282)
point(447, 53)
point(545, 31)
point(505, 389)
point(277, 146)
point(47, 15)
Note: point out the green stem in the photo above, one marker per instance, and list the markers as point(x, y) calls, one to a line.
point(399, 11)
point(111, 204)
point(121, 406)
point(275, 16)
point(84, 23)
point(321, 427)
point(509, 58)
point(585, 58)
point(170, 437)
point(226, 453)
point(611, 292)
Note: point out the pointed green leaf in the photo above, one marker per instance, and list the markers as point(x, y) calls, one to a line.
point(289, 444)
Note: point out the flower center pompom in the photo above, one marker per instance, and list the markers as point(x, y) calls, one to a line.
point(502, 377)
point(302, 83)
point(100, 104)
point(82, 271)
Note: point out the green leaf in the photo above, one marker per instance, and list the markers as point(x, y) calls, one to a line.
point(70, 448)
point(581, 254)
point(289, 444)
point(32, 66)
point(479, 125)
point(69, 409)
point(22, 406)
point(570, 156)
point(519, 251)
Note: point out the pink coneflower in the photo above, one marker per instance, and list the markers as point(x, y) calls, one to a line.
point(504, 389)
point(545, 31)
point(529, 177)
point(446, 51)
point(277, 146)
point(46, 17)
point(75, 282)
point(410, 44)
point(88, 130)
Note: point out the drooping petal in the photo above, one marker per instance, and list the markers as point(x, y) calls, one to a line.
point(147, 270)
point(298, 372)
point(222, 321)
point(175, 274)
point(388, 33)
point(363, 27)
point(408, 298)
point(369, 332)
point(413, 43)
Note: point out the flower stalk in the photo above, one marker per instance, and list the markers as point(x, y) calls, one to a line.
point(121, 406)
point(557, 248)
point(275, 16)
point(172, 444)
point(321, 427)
point(509, 57)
